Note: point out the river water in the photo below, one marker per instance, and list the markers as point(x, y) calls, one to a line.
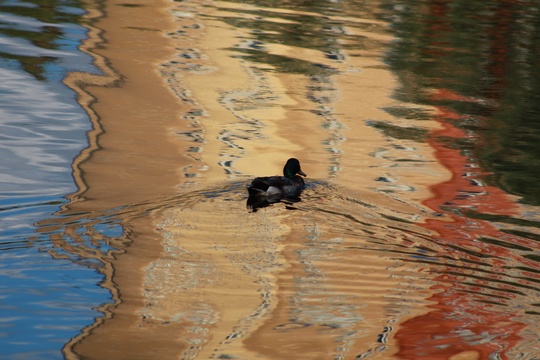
point(127, 140)
point(44, 301)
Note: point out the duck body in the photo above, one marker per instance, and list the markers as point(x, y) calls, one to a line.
point(276, 186)
point(270, 189)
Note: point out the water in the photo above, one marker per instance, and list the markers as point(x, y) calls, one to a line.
point(45, 301)
point(483, 79)
point(416, 237)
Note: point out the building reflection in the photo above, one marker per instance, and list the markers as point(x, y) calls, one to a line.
point(461, 59)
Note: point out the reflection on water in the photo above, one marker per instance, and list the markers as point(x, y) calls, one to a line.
point(341, 275)
point(306, 299)
point(410, 264)
point(415, 238)
point(256, 202)
point(476, 63)
point(479, 79)
point(45, 302)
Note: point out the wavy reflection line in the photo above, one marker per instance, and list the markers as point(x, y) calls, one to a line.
point(69, 226)
point(78, 81)
point(480, 309)
point(461, 333)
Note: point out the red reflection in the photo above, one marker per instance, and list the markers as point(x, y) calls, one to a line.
point(462, 320)
point(468, 312)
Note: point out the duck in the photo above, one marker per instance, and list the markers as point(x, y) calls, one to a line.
point(270, 189)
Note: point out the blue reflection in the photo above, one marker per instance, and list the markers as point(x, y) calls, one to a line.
point(44, 300)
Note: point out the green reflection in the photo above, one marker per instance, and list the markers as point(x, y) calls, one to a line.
point(400, 132)
point(285, 64)
point(485, 56)
point(37, 22)
point(309, 25)
point(32, 65)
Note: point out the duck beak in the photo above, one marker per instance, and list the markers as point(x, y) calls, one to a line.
point(300, 172)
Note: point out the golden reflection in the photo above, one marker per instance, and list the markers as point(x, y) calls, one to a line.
point(181, 122)
point(133, 158)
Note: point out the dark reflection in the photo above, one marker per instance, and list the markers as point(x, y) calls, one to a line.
point(264, 191)
point(314, 30)
point(478, 60)
point(476, 65)
point(32, 65)
point(33, 44)
point(399, 132)
point(255, 202)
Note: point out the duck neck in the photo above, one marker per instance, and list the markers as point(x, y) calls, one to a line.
point(288, 173)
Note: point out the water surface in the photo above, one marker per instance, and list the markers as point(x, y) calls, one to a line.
point(416, 237)
point(45, 301)
point(405, 244)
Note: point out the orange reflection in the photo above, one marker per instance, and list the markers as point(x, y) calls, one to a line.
point(457, 324)
point(469, 317)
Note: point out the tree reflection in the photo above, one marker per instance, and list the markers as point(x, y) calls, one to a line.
point(487, 51)
point(41, 25)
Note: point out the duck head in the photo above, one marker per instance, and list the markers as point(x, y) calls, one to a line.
point(292, 167)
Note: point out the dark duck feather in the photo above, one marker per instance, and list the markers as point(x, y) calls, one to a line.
point(266, 190)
